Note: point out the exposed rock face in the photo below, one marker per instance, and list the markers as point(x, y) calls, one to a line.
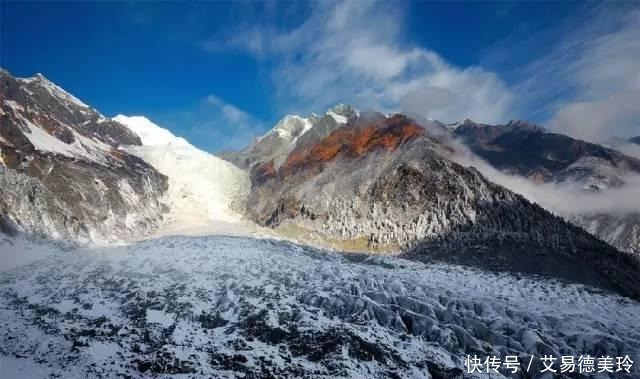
point(63, 174)
point(528, 150)
point(383, 183)
point(271, 150)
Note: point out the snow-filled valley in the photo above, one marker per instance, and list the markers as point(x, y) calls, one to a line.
point(221, 307)
point(206, 194)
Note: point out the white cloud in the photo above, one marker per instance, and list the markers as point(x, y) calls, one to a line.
point(630, 149)
point(228, 112)
point(590, 80)
point(597, 120)
point(585, 83)
point(562, 198)
point(354, 52)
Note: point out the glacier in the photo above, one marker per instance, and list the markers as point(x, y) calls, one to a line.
point(226, 307)
point(206, 194)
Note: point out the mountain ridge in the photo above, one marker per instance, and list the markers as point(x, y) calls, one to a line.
point(81, 186)
point(543, 157)
point(385, 183)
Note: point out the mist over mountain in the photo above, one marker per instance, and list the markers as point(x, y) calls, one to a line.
point(384, 182)
point(592, 185)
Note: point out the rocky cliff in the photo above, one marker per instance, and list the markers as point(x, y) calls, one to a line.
point(64, 174)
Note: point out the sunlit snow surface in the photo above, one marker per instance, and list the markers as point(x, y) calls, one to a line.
point(241, 307)
point(203, 189)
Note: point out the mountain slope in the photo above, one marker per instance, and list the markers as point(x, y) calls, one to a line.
point(384, 183)
point(530, 151)
point(271, 150)
point(63, 172)
point(202, 188)
point(527, 150)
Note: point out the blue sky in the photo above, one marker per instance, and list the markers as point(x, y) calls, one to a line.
point(221, 73)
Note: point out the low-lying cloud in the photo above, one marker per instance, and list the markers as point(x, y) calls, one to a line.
point(560, 198)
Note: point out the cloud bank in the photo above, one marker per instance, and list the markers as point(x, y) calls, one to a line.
point(561, 198)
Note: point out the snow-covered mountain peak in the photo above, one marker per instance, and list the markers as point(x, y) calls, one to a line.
point(466, 122)
point(344, 110)
point(92, 170)
point(150, 134)
point(40, 80)
point(202, 187)
point(290, 132)
point(291, 127)
point(82, 187)
point(342, 113)
point(46, 118)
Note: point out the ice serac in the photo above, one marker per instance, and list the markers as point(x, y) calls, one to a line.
point(63, 172)
point(202, 188)
point(527, 150)
point(221, 307)
point(386, 183)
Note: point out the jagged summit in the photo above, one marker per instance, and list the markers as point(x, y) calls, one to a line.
point(524, 125)
point(40, 80)
point(387, 184)
point(291, 131)
point(293, 126)
point(511, 125)
point(343, 112)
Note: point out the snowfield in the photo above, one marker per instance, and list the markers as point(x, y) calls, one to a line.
point(229, 307)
